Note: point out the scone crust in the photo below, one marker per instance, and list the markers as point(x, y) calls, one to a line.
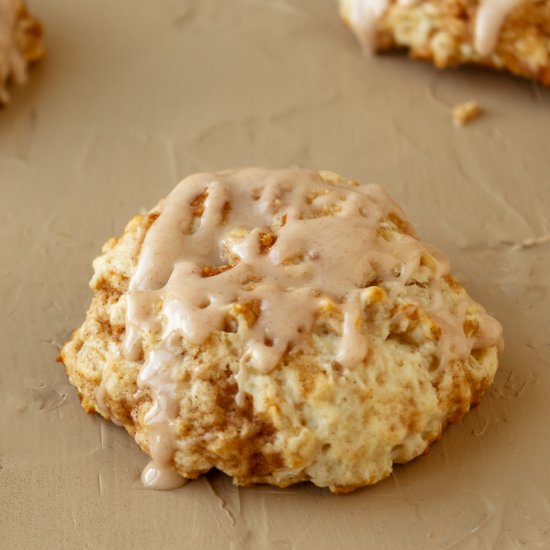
point(442, 31)
point(27, 36)
point(309, 419)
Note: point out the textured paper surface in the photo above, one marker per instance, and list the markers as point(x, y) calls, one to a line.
point(133, 96)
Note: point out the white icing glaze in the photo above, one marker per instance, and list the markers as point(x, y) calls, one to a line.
point(325, 242)
point(490, 18)
point(12, 62)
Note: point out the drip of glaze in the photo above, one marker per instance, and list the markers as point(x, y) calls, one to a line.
point(161, 479)
point(353, 348)
point(490, 18)
point(156, 376)
point(363, 15)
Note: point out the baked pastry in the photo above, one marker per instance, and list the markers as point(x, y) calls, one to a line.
point(20, 44)
point(280, 326)
point(512, 35)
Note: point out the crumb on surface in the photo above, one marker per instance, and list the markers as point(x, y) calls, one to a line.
point(464, 113)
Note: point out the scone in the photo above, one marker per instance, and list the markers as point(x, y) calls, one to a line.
point(511, 35)
point(280, 326)
point(20, 44)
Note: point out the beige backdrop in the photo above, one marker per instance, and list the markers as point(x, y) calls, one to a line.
point(136, 94)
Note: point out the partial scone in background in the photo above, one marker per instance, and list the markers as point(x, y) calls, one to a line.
point(442, 31)
point(21, 44)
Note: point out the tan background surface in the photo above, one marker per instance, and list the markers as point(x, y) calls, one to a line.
point(135, 95)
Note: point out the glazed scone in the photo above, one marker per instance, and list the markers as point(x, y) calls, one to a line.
point(280, 326)
point(20, 44)
point(512, 35)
